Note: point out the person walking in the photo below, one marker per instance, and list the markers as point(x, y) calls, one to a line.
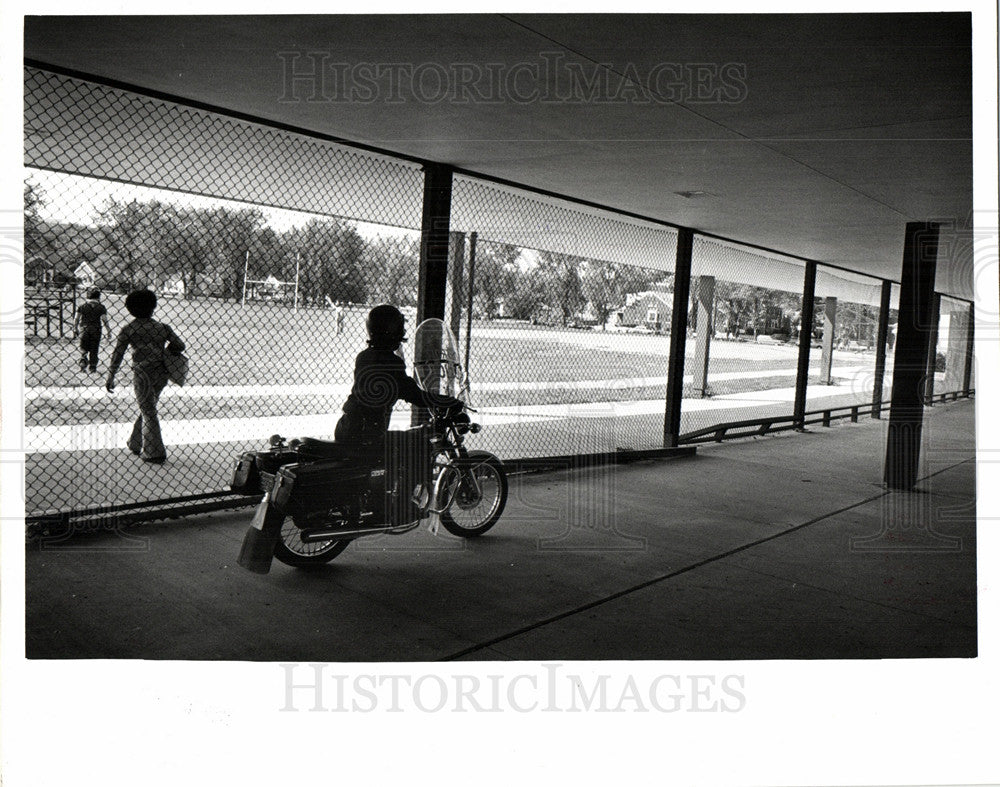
point(87, 325)
point(148, 339)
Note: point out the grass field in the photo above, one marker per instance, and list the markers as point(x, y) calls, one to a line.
point(269, 344)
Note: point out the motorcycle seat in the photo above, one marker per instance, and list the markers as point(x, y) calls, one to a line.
point(330, 449)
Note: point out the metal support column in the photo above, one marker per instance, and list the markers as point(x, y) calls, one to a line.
point(970, 346)
point(880, 344)
point(829, 334)
point(434, 237)
point(432, 284)
point(706, 327)
point(678, 337)
point(805, 342)
point(457, 273)
point(916, 301)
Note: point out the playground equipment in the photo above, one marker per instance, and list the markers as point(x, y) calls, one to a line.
point(49, 310)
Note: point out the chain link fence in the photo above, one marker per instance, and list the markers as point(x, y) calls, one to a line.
point(571, 315)
point(845, 330)
point(742, 350)
point(952, 359)
point(266, 248)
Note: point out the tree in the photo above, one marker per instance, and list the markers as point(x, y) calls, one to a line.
point(331, 260)
point(133, 232)
point(561, 273)
point(391, 268)
point(604, 287)
point(227, 234)
point(495, 274)
point(34, 240)
point(525, 294)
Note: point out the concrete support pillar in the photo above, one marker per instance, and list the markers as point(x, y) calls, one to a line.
point(678, 337)
point(958, 338)
point(880, 343)
point(706, 328)
point(916, 302)
point(805, 342)
point(829, 333)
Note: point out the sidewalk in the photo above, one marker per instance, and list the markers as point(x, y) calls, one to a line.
point(786, 547)
point(176, 432)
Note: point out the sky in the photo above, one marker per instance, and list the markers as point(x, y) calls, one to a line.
point(78, 200)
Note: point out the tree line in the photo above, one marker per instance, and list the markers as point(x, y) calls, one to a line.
point(209, 250)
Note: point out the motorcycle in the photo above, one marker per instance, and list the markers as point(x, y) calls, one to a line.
point(320, 495)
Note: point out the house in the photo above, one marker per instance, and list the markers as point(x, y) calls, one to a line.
point(173, 286)
point(85, 274)
point(47, 272)
point(651, 309)
point(38, 272)
point(777, 320)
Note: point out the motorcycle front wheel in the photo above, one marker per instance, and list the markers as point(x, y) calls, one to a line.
point(293, 551)
point(478, 493)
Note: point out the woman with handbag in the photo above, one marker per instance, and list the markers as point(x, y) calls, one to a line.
point(149, 340)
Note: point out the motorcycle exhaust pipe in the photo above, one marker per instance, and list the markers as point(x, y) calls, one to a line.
point(312, 536)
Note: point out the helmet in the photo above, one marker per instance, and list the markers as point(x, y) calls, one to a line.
point(385, 325)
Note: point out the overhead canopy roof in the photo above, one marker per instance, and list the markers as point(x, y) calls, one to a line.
point(814, 135)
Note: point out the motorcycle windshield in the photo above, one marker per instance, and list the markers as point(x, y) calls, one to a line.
point(436, 365)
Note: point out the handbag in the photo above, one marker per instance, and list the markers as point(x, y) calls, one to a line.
point(177, 367)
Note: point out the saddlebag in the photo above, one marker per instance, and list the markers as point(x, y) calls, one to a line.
point(302, 489)
point(255, 470)
point(408, 459)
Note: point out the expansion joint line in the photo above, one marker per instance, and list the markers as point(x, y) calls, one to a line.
point(671, 575)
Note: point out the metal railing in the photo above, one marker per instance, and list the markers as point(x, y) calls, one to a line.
point(759, 427)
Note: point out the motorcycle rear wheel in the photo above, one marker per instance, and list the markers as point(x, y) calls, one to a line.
point(469, 515)
point(293, 551)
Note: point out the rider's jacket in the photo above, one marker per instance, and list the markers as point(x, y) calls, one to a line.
point(380, 379)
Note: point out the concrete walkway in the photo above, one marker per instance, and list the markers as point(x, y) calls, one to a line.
point(785, 547)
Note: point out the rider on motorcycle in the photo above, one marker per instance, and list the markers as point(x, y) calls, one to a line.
point(380, 379)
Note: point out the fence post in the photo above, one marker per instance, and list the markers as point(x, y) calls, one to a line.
point(880, 344)
point(805, 341)
point(932, 350)
point(457, 275)
point(829, 333)
point(970, 343)
point(916, 300)
point(958, 334)
point(678, 337)
point(472, 293)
